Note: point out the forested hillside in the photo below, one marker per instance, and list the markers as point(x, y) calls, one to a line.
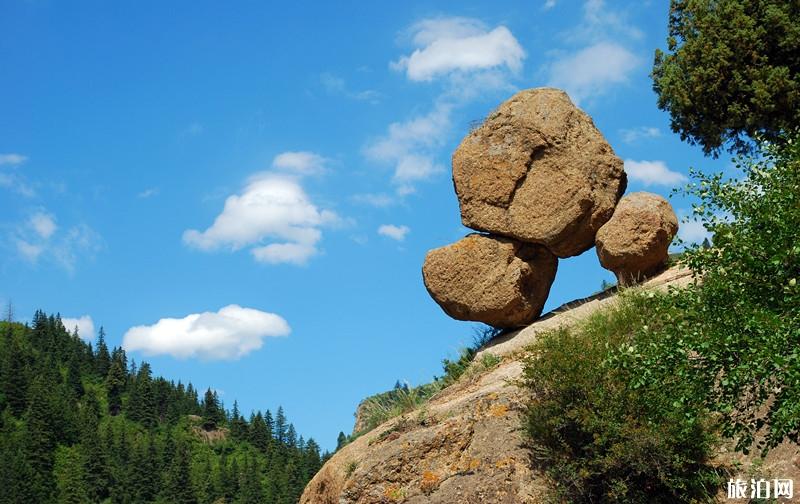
point(89, 425)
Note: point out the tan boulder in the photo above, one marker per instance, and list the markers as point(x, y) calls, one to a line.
point(634, 243)
point(490, 279)
point(539, 171)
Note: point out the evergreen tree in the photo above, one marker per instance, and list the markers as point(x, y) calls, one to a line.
point(70, 476)
point(178, 487)
point(102, 358)
point(14, 377)
point(115, 385)
point(212, 414)
point(40, 440)
point(73, 378)
point(93, 450)
point(341, 441)
point(251, 491)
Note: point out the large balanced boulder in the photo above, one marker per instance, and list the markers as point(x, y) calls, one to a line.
point(490, 279)
point(634, 243)
point(538, 170)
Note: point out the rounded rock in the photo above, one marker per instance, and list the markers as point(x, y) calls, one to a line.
point(538, 170)
point(490, 279)
point(634, 243)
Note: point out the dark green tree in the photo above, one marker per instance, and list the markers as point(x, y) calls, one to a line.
point(115, 385)
point(178, 488)
point(102, 358)
point(213, 415)
point(14, 377)
point(71, 478)
point(731, 71)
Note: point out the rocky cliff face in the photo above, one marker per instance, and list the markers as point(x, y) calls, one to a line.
point(466, 445)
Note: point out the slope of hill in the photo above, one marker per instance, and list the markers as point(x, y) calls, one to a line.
point(467, 443)
point(86, 425)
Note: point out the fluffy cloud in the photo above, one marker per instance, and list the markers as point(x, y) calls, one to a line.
point(447, 45)
point(43, 224)
point(591, 71)
point(377, 200)
point(653, 173)
point(39, 237)
point(12, 159)
point(633, 135)
point(272, 207)
point(410, 146)
point(301, 163)
point(397, 233)
point(84, 324)
point(9, 179)
point(230, 333)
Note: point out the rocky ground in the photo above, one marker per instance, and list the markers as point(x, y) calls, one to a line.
point(466, 446)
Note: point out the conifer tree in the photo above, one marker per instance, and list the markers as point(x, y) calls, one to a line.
point(14, 377)
point(102, 358)
point(115, 384)
point(178, 487)
point(70, 477)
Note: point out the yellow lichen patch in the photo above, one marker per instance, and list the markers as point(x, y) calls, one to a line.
point(394, 492)
point(498, 410)
point(505, 462)
point(429, 482)
point(474, 464)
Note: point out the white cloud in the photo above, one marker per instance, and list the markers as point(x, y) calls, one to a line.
point(377, 200)
point(447, 45)
point(12, 159)
point(271, 207)
point(410, 145)
point(549, 4)
point(633, 135)
point(693, 231)
point(148, 193)
point(601, 21)
point(43, 224)
point(230, 333)
point(653, 173)
point(591, 71)
point(291, 253)
point(397, 233)
point(85, 326)
point(337, 85)
point(39, 237)
point(29, 251)
point(300, 162)
point(16, 183)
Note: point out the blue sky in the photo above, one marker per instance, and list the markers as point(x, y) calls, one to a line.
point(244, 195)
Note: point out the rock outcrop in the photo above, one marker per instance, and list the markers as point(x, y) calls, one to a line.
point(466, 444)
point(490, 279)
point(634, 243)
point(538, 170)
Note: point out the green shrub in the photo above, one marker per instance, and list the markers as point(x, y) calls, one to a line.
point(742, 323)
point(601, 437)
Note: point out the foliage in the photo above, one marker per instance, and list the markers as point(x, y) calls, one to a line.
point(742, 323)
point(732, 71)
point(78, 425)
point(602, 439)
point(627, 406)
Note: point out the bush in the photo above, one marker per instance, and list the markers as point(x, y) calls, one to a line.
point(601, 437)
point(742, 323)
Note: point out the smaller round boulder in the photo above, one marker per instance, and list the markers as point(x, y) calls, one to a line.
point(634, 243)
point(490, 279)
